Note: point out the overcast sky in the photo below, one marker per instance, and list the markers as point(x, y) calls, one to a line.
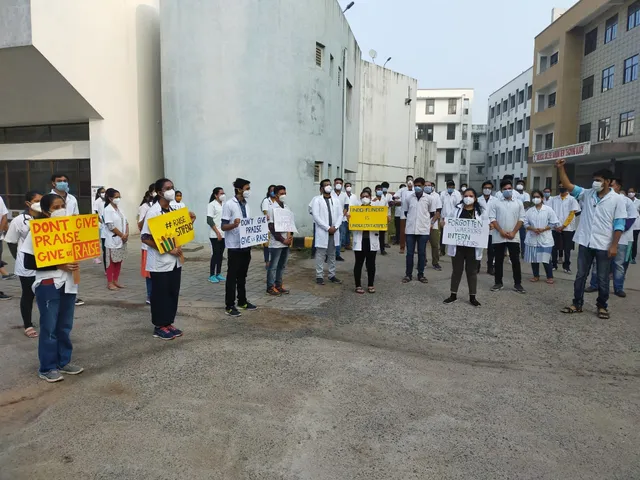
point(453, 43)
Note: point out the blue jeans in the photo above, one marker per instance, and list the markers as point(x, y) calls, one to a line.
point(586, 257)
point(617, 268)
point(523, 235)
point(422, 241)
point(345, 237)
point(548, 269)
point(279, 257)
point(148, 282)
point(56, 320)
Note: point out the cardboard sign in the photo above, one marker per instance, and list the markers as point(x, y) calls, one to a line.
point(373, 219)
point(466, 232)
point(61, 240)
point(284, 221)
point(171, 230)
point(253, 231)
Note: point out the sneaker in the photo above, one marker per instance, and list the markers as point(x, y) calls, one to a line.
point(9, 277)
point(221, 277)
point(79, 302)
point(451, 299)
point(176, 331)
point(248, 306)
point(620, 294)
point(5, 297)
point(148, 302)
point(590, 289)
point(70, 369)
point(384, 253)
point(474, 302)
point(554, 268)
point(519, 289)
point(163, 333)
point(214, 279)
point(339, 259)
point(437, 267)
point(568, 271)
point(274, 292)
point(319, 281)
point(283, 290)
point(633, 261)
point(232, 312)
point(497, 287)
point(51, 376)
point(335, 280)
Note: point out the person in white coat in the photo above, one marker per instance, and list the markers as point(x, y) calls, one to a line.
point(466, 258)
point(366, 245)
point(327, 218)
point(117, 236)
point(539, 222)
point(632, 194)
point(98, 209)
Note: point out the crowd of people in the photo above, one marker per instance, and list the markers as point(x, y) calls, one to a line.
point(529, 227)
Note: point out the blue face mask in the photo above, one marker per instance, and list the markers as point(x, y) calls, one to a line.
point(418, 190)
point(272, 194)
point(385, 190)
point(428, 189)
point(379, 193)
point(62, 186)
point(450, 190)
point(507, 193)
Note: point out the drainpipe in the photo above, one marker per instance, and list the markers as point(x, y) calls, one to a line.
point(344, 110)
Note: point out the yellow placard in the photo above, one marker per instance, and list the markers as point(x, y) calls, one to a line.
point(65, 239)
point(371, 219)
point(172, 229)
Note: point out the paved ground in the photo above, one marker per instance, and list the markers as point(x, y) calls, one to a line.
point(326, 384)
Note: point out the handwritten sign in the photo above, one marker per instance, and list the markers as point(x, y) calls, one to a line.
point(466, 232)
point(65, 239)
point(371, 219)
point(172, 229)
point(253, 231)
point(284, 221)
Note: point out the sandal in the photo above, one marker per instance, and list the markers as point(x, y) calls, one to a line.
point(31, 332)
point(112, 287)
point(360, 290)
point(371, 290)
point(423, 280)
point(603, 313)
point(570, 310)
point(550, 281)
point(535, 279)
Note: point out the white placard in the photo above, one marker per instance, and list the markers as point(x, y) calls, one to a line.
point(466, 232)
point(253, 231)
point(284, 221)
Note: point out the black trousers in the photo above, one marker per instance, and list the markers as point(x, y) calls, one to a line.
point(237, 268)
point(562, 243)
point(396, 222)
point(514, 254)
point(165, 291)
point(215, 268)
point(383, 239)
point(491, 254)
point(634, 248)
point(26, 300)
point(104, 253)
point(465, 260)
point(362, 256)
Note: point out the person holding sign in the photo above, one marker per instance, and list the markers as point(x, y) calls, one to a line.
point(539, 222)
point(117, 229)
point(366, 245)
point(327, 216)
point(239, 258)
point(55, 291)
point(420, 209)
point(279, 242)
point(465, 258)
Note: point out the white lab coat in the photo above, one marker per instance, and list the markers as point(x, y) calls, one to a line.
point(452, 249)
point(543, 218)
point(374, 240)
point(321, 219)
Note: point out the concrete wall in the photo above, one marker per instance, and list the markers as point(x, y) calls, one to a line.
point(387, 130)
point(15, 23)
point(242, 96)
point(425, 161)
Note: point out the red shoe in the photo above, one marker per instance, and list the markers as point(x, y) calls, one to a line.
point(283, 290)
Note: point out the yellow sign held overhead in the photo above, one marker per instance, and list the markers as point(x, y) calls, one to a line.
point(172, 230)
point(373, 219)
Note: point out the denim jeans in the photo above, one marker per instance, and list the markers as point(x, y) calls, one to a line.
point(585, 259)
point(279, 257)
point(523, 235)
point(422, 241)
point(548, 270)
point(617, 268)
point(149, 288)
point(56, 320)
point(345, 237)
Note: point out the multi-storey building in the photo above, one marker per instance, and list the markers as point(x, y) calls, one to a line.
point(508, 123)
point(444, 116)
point(586, 92)
point(479, 145)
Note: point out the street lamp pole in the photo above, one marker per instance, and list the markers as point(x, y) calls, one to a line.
point(349, 6)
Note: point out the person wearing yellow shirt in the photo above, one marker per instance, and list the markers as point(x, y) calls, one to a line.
point(565, 207)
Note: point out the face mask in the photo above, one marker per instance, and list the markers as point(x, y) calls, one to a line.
point(272, 194)
point(169, 195)
point(597, 186)
point(410, 183)
point(632, 195)
point(283, 198)
point(366, 201)
point(116, 201)
point(418, 190)
point(428, 189)
point(178, 199)
point(385, 190)
point(450, 190)
point(246, 194)
point(379, 193)
point(562, 190)
point(507, 194)
point(102, 196)
point(469, 200)
point(36, 207)
point(338, 187)
point(222, 197)
point(487, 191)
point(520, 187)
point(328, 189)
point(463, 189)
point(154, 194)
point(62, 212)
point(348, 189)
point(62, 186)
point(536, 200)
point(547, 194)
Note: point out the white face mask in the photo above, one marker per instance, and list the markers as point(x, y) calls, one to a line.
point(520, 188)
point(328, 189)
point(338, 187)
point(154, 194)
point(487, 191)
point(536, 201)
point(597, 186)
point(283, 198)
point(468, 200)
point(36, 207)
point(366, 201)
point(348, 189)
point(246, 194)
point(410, 183)
point(463, 189)
point(116, 201)
point(169, 195)
point(632, 194)
point(102, 196)
point(61, 212)
point(222, 197)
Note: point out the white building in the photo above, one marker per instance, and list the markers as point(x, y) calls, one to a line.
point(508, 123)
point(424, 164)
point(444, 116)
point(80, 95)
point(242, 99)
point(387, 131)
point(479, 145)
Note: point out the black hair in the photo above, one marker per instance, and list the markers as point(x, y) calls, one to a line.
point(98, 193)
point(538, 192)
point(348, 183)
point(178, 192)
point(521, 180)
point(385, 185)
point(402, 185)
point(45, 203)
point(409, 177)
point(240, 183)
point(451, 183)
point(338, 179)
point(487, 182)
point(604, 173)
point(617, 180)
point(109, 194)
point(476, 206)
point(418, 180)
point(30, 194)
point(325, 180)
point(462, 185)
point(505, 182)
point(279, 188)
point(145, 199)
point(58, 175)
point(546, 188)
point(152, 188)
point(214, 194)
point(269, 190)
point(157, 187)
point(378, 186)
point(366, 190)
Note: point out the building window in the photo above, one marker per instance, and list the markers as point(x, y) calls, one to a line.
point(539, 140)
point(465, 131)
point(540, 102)
point(491, 137)
point(431, 106)
point(463, 156)
point(529, 92)
point(425, 132)
point(519, 129)
point(502, 158)
point(71, 132)
point(317, 171)
point(493, 112)
point(587, 88)
point(631, 69)
point(329, 170)
point(476, 142)
point(528, 123)
point(626, 123)
point(633, 15)
point(453, 103)
point(548, 141)
point(607, 78)
point(510, 157)
point(496, 137)
point(519, 155)
point(512, 101)
point(543, 64)
point(505, 105)
point(504, 132)
point(495, 160)
point(611, 29)
point(585, 133)
point(450, 155)
point(498, 109)
point(511, 127)
point(465, 107)
point(604, 129)
point(526, 154)
point(480, 169)
point(451, 131)
point(551, 100)
point(553, 59)
point(520, 97)
point(319, 54)
point(591, 41)
point(448, 177)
